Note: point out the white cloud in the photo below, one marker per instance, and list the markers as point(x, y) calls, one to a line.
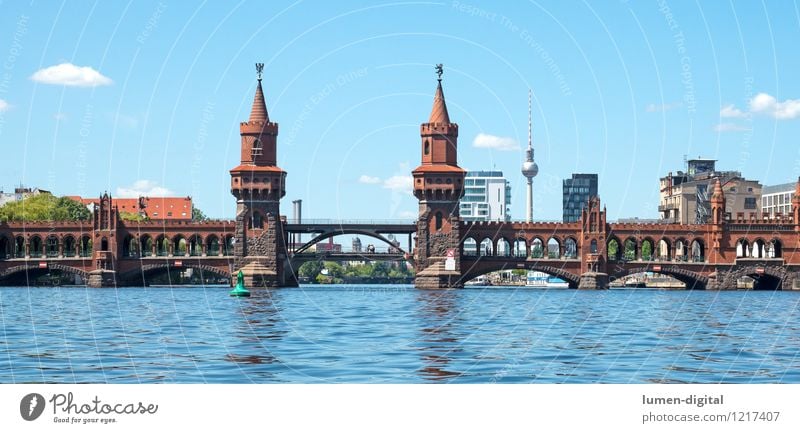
point(768, 104)
point(143, 187)
point(399, 183)
point(730, 127)
point(654, 108)
point(370, 180)
point(487, 141)
point(4, 106)
point(731, 111)
point(67, 74)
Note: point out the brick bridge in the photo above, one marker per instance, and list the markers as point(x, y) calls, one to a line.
point(446, 251)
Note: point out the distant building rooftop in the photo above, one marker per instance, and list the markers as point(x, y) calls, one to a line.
point(784, 187)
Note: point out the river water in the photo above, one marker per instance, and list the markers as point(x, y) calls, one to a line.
point(397, 334)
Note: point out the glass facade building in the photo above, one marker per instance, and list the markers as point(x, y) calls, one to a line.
point(577, 191)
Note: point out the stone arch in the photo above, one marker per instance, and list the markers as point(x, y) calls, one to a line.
point(484, 267)
point(256, 220)
point(520, 248)
point(323, 236)
point(681, 250)
point(85, 246)
point(648, 249)
point(486, 247)
point(146, 245)
point(19, 247)
point(570, 248)
point(502, 247)
point(227, 246)
point(698, 250)
point(663, 250)
point(130, 246)
point(775, 249)
point(35, 246)
point(70, 246)
point(28, 268)
point(212, 245)
point(614, 249)
point(163, 246)
point(742, 248)
point(759, 249)
point(693, 280)
point(51, 246)
point(5, 247)
point(195, 245)
point(553, 248)
point(139, 276)
point(630, 249)
point(538, 248)
point(178, 245)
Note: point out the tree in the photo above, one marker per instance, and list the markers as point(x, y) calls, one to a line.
point(630, 250)
point(647, 250)
point(310, 269)
point(613, 249)
point(44, 207)
point(133, 216)
point(198, 215)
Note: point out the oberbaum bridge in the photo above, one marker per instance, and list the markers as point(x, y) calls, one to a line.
point(448, 252)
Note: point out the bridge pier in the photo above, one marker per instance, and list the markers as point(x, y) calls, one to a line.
point(436, 277)
point(102, 278)
point(593, 281)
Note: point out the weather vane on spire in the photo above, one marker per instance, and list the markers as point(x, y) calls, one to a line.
point(439, 70)
point(259, 70)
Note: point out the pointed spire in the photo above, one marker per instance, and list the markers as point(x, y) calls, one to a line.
point(529, 154)
point(259, 111)
point(439, 110)
point(718, 194)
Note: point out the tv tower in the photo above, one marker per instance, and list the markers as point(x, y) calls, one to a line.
point(529, 167)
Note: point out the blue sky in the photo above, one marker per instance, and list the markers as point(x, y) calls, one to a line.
point(620, 88)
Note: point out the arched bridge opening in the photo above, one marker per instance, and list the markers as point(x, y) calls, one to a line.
point(172, 274)
point(692, 280)
point(36, 275)
point(472, 270)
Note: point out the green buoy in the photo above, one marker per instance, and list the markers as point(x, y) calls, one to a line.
point(239, 290)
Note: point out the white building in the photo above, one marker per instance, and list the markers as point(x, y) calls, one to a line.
point(777, 199)
point(487, 197)
point(20, 194)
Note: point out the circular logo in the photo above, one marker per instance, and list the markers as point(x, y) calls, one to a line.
point(31, 406)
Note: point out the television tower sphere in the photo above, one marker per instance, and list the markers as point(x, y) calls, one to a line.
point(530, 169)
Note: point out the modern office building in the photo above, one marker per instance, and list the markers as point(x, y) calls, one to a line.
point(487, 197)
point(577, 191)
point(777, 199)
point(685, 197)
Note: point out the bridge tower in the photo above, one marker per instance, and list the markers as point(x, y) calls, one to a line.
point(593, 246)
point(716, 253)
point(258, 185)
point(104, 241)
point(438, 185)
point(796, 206)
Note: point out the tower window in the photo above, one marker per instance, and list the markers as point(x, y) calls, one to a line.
point(257, 149)
point(427, 147)
point(438, 222)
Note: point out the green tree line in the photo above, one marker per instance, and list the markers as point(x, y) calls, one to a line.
point(44, 207)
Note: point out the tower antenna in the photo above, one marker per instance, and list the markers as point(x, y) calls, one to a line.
point(259, 70)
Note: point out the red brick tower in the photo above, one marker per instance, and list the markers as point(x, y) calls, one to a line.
point(438, 185)
point(716, 254)
point(593, 246)
point(796, 206)
point(258, 185)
